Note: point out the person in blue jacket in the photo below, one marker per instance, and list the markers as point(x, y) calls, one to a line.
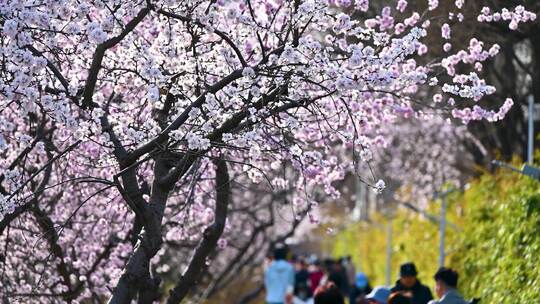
point(446, 280)
point(279, 278)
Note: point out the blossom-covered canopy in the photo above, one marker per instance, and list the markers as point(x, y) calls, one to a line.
point(129, 130)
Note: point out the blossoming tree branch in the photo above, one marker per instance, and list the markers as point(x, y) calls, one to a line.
point(133, 133)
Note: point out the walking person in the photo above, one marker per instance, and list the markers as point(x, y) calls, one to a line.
point(338, 275)
point(409, 285)
point(350, 270)
point(446, 280)
point(302, 272)
point(302, 291)
point(315, 275)
point(279, 278)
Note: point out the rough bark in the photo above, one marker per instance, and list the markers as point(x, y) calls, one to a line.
point(210, 237)
point(136, 274)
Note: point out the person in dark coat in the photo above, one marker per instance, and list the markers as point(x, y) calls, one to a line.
point(301, 281)
point(337, 275)
point(409, 285)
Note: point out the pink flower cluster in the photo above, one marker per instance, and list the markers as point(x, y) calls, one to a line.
point(517, 16)
point(477, 113)
point(110, 111)
point(476, 53)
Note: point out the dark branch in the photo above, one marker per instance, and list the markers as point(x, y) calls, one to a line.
point(91, 81)
point(210, 237)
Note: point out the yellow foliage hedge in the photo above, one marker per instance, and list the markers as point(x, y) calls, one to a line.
point(496, 249)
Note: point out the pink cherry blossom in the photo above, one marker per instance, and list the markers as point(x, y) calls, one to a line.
point(159, 140)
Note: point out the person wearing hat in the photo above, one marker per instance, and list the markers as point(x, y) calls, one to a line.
point(360, 289)
point(446, 287)
point(409, 285)
point(379, 295)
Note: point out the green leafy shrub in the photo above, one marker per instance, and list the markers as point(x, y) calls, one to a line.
point(496, 249)
point(500, 244)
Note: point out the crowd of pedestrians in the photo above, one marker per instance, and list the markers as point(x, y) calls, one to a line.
point(308, 280)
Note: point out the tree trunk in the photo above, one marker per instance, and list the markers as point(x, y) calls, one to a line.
point(210, 237)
